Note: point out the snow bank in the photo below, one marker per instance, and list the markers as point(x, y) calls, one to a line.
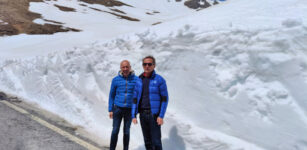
point(239, 83)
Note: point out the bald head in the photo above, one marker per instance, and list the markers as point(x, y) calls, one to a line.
point(125, 68)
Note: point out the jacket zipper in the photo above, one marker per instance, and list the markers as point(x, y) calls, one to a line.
point(126, 90)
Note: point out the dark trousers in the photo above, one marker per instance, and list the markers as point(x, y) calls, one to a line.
point(151, 131)
point(120, 113)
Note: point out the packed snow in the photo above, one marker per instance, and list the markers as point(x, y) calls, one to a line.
point(236, 73)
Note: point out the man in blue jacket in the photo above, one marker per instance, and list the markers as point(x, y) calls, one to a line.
point(150, 100)
point(120, 102)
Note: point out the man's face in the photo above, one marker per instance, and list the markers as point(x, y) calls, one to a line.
point(125, 68)
point(148, 65)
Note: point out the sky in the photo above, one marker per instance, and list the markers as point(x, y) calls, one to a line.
point(236, 72)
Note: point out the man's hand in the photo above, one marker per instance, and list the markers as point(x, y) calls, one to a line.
point(160, 121)
point(135, 121)
point(111, 115)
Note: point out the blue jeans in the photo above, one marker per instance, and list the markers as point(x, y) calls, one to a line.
point(151, 131)
point(120, 113)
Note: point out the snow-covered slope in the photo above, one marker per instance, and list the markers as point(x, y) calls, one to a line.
point(97, 23)
point(236, 75)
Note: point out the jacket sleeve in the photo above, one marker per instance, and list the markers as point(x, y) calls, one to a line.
point(112, 95)
point(164, 98)
point(135, 100)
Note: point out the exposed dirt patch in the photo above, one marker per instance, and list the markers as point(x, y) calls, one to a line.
point(7, 30)
point(156, 23)
point(107, 3)
point(18, 19)
point(83, 5)
point(120, 16)
point(63, 8)
point(53, 21)
point(123, 17)
point(195, 4)
point(116, 10)
point(47, 29)
point(95, 9)
point(152, 13)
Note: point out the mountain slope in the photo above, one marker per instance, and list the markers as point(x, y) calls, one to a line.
point(93, 21)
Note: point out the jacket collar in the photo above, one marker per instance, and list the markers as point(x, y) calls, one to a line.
point(130, 74)
point(152, 75)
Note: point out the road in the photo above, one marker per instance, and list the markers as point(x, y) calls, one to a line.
point(22, 130)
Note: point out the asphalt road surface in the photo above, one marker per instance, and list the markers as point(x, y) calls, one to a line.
point(19, 131)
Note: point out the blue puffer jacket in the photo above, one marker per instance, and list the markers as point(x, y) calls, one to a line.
point(158, 95)
point(121, 92)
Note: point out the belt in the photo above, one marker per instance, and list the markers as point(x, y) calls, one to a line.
point(145, 111)
point(124, 108)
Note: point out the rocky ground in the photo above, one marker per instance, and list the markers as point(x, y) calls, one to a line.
point(15, 18)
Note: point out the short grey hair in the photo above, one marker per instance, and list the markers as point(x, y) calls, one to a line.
point(124, 61)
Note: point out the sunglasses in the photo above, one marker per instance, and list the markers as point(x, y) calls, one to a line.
point(149, 64)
